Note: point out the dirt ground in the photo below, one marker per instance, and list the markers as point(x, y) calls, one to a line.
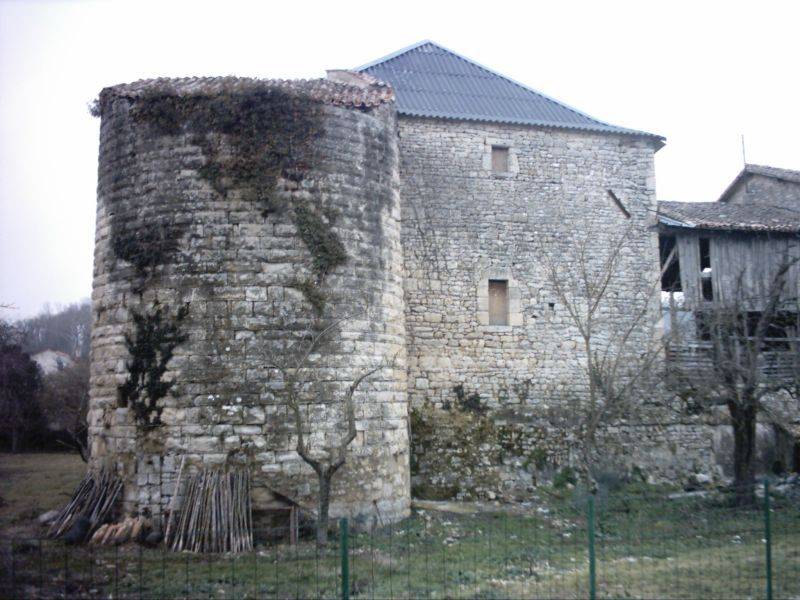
point(31, 484)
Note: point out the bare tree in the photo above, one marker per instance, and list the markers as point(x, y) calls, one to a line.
point(612, 303)
point(68, 329)
point(749, 352)
point(64, 400)
point(300, 375)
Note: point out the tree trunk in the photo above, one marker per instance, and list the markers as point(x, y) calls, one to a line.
point(743, 420)
point(324, 506)
point(590, 419)
point(14, 440)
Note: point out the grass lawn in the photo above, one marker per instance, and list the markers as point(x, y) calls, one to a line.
point(647, 546)
point(31, 484)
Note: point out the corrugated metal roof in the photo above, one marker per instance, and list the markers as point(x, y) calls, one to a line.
point(432, 81)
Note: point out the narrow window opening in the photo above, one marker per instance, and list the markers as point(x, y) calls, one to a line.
point(705, 269)
point(498, 302)
point(708, 288)
point(500, 159)
point(705, 253)
point(670, 264)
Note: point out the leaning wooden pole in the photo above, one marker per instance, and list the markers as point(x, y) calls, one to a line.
point(90, 506)
point(215, 513)
point(172, 501)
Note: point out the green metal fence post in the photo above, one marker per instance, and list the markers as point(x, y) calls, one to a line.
point(592, 574)
point(343, 539)
point(768, 539)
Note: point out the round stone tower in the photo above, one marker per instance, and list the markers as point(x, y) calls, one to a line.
point(242, 226)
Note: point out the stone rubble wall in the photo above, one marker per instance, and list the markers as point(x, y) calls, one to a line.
point(511, 451)
point(234, 269)
point(464, 225)
point(768, 190)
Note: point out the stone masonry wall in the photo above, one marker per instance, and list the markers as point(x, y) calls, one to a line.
point(463, 225)
point(236, 271)
point(769, 190)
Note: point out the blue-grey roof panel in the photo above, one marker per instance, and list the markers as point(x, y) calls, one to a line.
point(432, 81)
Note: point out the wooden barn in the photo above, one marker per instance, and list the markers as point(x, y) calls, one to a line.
point(730, 250)
point(731, 269)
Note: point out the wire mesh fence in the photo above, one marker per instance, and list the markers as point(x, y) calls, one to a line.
point(701, 545)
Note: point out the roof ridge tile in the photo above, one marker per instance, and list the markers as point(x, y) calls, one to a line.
point(322, 90)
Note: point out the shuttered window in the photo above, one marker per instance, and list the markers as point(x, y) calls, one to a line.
point(499, 159)
point(498, 302)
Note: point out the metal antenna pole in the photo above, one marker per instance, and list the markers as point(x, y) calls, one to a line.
point(744, 155)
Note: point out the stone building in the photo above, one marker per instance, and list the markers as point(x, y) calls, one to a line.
point(424, 196)
point(498, 182)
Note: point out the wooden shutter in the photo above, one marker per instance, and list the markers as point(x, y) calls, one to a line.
point(498, 302)
point(499, 159)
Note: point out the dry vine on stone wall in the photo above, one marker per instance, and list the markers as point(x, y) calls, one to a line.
point(157, 334)
point(144, 246)
point(253, 138)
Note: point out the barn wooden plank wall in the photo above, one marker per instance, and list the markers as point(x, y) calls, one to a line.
point(754, 257)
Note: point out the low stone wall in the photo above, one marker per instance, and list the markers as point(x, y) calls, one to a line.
point(458, 453)
point(461, 453)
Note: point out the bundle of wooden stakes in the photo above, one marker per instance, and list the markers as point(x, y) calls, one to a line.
point(89, 507)
point(215, 513)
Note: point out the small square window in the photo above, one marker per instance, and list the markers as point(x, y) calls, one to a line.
point(498, 302)
point(500, 159)
point(705, 269)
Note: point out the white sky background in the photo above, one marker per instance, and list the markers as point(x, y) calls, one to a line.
point(701, 74)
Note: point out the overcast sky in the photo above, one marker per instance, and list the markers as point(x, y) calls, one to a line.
point(698, 73)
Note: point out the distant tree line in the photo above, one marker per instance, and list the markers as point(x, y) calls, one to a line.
point(67, 330)
point(41, 411)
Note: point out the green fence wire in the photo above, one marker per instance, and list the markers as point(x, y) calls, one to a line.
point(568, 544)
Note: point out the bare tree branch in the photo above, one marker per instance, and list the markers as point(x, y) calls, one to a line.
point(298, 376)
point(621, 344)
point(738, 350)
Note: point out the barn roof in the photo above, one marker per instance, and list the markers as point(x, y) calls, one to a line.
point(432, 81)
point(749, 169)
point(761, 213)
point(730, 217)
